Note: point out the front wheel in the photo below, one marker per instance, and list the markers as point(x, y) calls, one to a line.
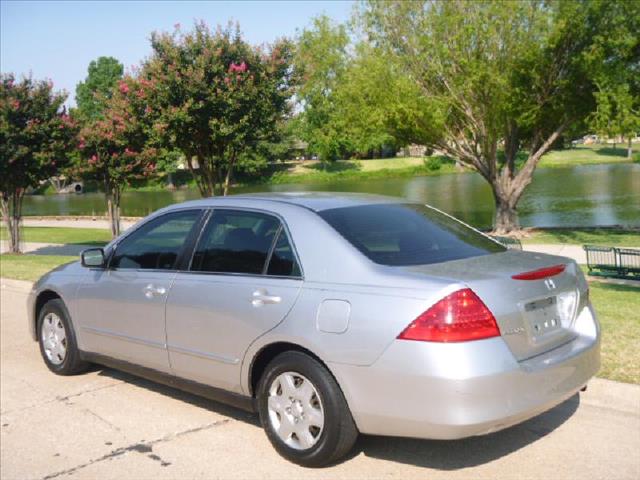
point(303, 411)
point(57, 340)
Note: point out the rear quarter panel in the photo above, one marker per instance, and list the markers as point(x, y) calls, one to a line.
point(377, 315)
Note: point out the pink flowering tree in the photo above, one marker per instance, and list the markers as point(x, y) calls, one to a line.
point(114, 147)
point(36, 139)
point(213, 97)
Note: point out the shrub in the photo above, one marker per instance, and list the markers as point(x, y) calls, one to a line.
point(432, 163)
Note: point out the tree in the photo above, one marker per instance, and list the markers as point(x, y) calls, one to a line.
point(36, 135)
point(213, 97)
point(614, 59)
point(617, 113)
point(103, 75)
point(377, 106)
point(321, 60)
point(503, 77)
point(114, 148)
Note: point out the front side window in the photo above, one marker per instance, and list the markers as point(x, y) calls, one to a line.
point(407, 234)
point(235, 242)
point(156, 245)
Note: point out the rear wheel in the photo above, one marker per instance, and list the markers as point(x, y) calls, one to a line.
point(57, 340)
point(303, 411)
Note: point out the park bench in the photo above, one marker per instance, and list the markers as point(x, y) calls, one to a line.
point(613, 261)
point(510, 243)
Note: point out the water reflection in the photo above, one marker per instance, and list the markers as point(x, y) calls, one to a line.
point(579, 196)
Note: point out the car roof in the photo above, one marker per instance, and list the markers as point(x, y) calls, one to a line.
point(316, 201)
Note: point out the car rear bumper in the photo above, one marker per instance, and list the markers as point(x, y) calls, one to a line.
point(456, 390)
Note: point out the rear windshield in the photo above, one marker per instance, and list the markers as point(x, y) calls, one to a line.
point(408, 234)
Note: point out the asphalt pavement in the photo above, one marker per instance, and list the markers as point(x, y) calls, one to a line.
point(106, 424)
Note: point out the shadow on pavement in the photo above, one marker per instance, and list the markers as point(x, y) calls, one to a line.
point(70, 249)
point(436, 454)
point(196, 401)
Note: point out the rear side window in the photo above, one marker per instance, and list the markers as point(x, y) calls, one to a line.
point(407, 234)
point(283, 261)
point(235, 242)
point(156, 245)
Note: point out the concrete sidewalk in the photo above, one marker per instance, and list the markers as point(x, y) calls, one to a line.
point(107, 424)
point(76, 223)
point(575, 252)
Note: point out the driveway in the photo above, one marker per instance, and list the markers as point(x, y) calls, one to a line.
point(106, 424)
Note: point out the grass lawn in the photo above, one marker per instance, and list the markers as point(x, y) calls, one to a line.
point(587, 155)
point(604, 236)
point(617, 307)
point(83, 236)
point(313, 171)
point(316, 172)
point(30, 267)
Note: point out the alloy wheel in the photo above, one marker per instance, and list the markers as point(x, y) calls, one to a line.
point(54, 338)
point(295, 410)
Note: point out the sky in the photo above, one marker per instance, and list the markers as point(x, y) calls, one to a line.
point(56, 40)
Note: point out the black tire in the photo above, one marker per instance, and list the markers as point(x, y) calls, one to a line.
point(72, 363)
point(339, 432)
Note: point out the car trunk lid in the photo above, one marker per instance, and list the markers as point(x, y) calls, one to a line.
point(534, 315)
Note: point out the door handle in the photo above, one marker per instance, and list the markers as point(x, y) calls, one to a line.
point(150, 291)
point(261, 297)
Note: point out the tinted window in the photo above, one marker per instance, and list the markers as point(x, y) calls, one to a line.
point(235, 242)
point(283, 261)
point(157, 244)
point(400, 234)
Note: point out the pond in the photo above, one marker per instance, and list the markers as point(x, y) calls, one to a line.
point(588, 195)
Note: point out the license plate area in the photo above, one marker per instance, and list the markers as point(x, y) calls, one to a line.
point(543, 316)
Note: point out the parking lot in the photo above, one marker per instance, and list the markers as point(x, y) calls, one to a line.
point(106, 424)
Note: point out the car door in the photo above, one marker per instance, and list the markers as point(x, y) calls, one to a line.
point(120, 309)
point(243, 280)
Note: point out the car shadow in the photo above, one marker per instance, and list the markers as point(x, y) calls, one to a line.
point(174, 393)
point(468, 452)
point(435, 454)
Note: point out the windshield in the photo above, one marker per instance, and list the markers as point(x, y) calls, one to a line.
point(408, 234)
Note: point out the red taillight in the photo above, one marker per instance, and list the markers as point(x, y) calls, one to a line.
point(541, 273)
point(458, 317)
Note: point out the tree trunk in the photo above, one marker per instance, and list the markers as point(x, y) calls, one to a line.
point(12, 214)
point(506, 219)
point(629, 149)
point(227, 179)
point(113, 210)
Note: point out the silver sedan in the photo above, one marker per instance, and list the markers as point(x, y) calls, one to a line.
point(328, 314)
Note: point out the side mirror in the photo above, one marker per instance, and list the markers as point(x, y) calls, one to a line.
point(92, 258)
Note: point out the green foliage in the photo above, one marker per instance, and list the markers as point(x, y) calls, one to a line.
point(36, 134)
point(432, 163)
point(378, 106)
point(114, 148)
point(92, 94)
point(214, 98)
point(321, 61)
